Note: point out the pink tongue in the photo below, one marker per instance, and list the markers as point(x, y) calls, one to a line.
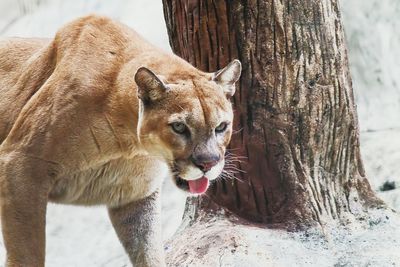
point(198, 186)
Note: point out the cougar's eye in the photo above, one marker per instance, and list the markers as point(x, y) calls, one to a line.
point(221, 128)
point(179, 127)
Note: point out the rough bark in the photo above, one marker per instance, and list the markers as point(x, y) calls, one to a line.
point(297, 134)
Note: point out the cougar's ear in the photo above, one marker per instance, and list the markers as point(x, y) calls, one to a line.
point(228, 76)
point(150, 87)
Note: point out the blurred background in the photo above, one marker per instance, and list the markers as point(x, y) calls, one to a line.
point(78, 236)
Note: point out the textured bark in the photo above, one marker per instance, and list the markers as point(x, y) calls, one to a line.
point(296, 122)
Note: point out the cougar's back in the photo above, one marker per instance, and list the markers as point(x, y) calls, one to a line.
point(23, 70)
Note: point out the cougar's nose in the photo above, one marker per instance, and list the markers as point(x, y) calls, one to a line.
point(206, 162)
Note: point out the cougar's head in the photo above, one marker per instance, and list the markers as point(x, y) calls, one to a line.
point(187, 121)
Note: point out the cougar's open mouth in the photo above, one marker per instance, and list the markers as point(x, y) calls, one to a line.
point(181, 184)
point(198, 186)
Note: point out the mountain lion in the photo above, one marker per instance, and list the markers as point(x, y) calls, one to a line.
point(98, 116)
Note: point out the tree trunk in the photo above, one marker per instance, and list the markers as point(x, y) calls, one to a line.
point(297, 133)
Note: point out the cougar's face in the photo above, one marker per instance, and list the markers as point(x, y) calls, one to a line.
point(189, 126)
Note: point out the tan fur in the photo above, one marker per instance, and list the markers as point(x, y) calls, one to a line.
point(72, 130)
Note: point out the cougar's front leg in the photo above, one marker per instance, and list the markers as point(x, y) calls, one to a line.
point(138, 227)
point(23, 200)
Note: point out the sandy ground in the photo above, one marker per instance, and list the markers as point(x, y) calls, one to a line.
point(371, 241)
point(78, 236)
